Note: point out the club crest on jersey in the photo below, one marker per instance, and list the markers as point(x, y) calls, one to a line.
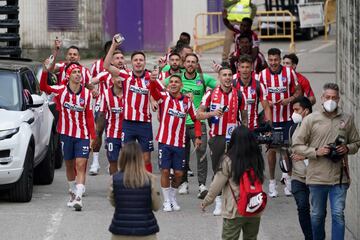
point(277, 89)
point(81, 101)
point(284, 79)
point(176, 113)
point(116, 109)
point(185, 106)
point(198, 82)
point(74, 107)
point(139, 90)
point(252, 91)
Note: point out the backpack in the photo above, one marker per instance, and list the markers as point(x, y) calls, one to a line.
point(252, 199)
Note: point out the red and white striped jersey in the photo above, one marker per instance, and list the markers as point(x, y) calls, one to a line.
point(85, 74)
point(164, 75)
point(136, 96)
point(113, 107)
point(97, 67)
point(280, 86)
point(76, 117)
point(104, 81)
point(173, 113)
point(218, 126)
point(255, 92)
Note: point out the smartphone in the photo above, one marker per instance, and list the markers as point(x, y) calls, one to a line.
point(224, 108)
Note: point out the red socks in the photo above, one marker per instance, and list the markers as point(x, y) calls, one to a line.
point(148, 167)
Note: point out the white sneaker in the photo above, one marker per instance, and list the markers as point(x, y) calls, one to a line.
point(175, 206)
point(272, 189)
point(217, 210)
point(94, 169)
point(190, 173)
point(184, 188)
point(287, 192)
point(167, 206)
point(202, 191)
point(78, 203)
point(70, 203)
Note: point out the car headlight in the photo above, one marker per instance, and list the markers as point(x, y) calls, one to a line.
point(8, 133)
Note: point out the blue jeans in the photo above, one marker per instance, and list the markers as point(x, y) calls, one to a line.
point(301, 194)
point(337, 196)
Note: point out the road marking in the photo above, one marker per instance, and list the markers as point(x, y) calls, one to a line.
point(322, 47)
point(54, 224)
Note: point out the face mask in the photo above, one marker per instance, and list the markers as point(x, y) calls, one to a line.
point(330, 105)
point(297, 118)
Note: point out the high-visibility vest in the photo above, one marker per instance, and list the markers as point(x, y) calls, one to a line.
point(239, 10)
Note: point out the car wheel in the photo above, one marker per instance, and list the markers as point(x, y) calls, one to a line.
point(44, 172)
point(23, 188)
point(309, 34)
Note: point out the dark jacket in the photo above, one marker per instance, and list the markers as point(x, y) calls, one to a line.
point(133, 213)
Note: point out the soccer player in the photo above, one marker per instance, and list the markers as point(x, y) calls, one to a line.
point(243, 28)
point(281, 83)
point(244, 42)
point(225, 106)
point(194, 85)
point(76, 127)
point(104, 80)
point(254, 91)
point(174, 63)
point(174, 108)
point(137, 116)
point(72, 55)
point(111, 115)
point(291, 60)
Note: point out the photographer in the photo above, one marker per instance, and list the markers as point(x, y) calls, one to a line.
point(327, 173)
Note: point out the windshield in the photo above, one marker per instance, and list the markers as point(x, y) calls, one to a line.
point(9, 91)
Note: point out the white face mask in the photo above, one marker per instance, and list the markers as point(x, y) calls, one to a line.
point(297, 118)
point(330, 105)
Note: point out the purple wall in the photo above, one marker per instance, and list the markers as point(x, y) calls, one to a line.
point(146, 25)
point(109, 19)
point(157, 25)
point(215, 6)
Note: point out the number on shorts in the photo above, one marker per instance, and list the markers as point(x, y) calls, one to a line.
point(110, 147)
point(160, 153)
point(62, 147)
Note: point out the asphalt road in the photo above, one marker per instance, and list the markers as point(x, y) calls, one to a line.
point(46, 217)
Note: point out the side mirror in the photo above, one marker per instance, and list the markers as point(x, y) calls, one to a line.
point(37, 101)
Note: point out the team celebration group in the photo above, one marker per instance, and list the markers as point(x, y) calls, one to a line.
point(197, 110)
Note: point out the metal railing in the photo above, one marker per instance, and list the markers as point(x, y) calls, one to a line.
point(276, 24)
point(204, 27)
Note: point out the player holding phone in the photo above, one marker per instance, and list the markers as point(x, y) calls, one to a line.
point(225, 107)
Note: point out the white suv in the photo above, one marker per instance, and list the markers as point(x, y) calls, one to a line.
point(27, 127)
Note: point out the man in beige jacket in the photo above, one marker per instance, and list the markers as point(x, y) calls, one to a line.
point(327, 173)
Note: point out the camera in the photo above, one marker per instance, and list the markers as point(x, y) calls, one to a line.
point(273, 137)
point(333, 155)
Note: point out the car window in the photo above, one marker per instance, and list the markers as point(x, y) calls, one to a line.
point(9, 91)
point(33, 83)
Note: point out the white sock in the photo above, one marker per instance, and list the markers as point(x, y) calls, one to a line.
point(95, 158)
point(72, 186)
point(166, 194)
point(272, 181)
point(80, 189)
point(172, 195)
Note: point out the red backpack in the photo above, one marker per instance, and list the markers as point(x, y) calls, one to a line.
point(252, 199)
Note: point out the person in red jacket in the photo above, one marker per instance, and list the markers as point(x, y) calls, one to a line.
point(76, 127)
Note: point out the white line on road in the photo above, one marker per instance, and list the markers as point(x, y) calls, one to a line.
point(54, 224)
point(322, 47)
